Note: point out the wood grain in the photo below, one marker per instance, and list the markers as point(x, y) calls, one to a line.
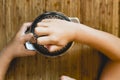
point(2, 24)
point(81, 61)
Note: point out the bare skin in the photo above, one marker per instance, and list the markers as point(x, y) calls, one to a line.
point(15, 49)
point(111, 71)
point(67, 78)
point(56, 31)
point(59, 33)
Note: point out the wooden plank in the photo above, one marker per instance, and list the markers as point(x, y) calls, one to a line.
point(2, 24)
point(14, 20)
point(116, 9)
point(17, 13)
point(67, 64)
point(102, 15)
point(91, 59)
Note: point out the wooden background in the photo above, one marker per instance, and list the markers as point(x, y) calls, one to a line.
point(81, 61)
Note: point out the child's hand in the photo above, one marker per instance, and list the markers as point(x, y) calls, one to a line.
point(58, 33)
point(16, 48)
point(66, 78)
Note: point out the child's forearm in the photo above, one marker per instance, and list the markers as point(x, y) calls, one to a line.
point(5, 60)
point(15, 49)
point(104, 42)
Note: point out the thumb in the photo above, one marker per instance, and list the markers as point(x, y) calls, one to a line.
point(27, 37)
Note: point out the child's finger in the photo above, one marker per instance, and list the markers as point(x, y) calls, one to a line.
point(45, 40)
point(53, 48)
point(27, 37)
point(25, 26)
point(40, 31)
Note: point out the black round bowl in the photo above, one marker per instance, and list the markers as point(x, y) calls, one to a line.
point(40, 48)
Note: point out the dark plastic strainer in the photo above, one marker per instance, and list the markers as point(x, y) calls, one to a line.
point(40, 48)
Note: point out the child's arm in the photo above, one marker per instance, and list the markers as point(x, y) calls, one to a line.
point(104, 42)
point(15, 49)
point(60, 32)
point(111, 71)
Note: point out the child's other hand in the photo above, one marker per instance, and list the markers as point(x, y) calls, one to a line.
point(17, 48)
point(58, 33)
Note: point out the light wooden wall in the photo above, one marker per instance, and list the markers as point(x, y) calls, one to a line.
point(81, 61)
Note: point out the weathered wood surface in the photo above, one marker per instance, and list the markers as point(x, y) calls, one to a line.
point(81, 61)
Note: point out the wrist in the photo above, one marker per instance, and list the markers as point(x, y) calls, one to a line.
point(77, 32)
point(73, 31)
point(4, 55)
point(82, 33)
point(7, 53)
